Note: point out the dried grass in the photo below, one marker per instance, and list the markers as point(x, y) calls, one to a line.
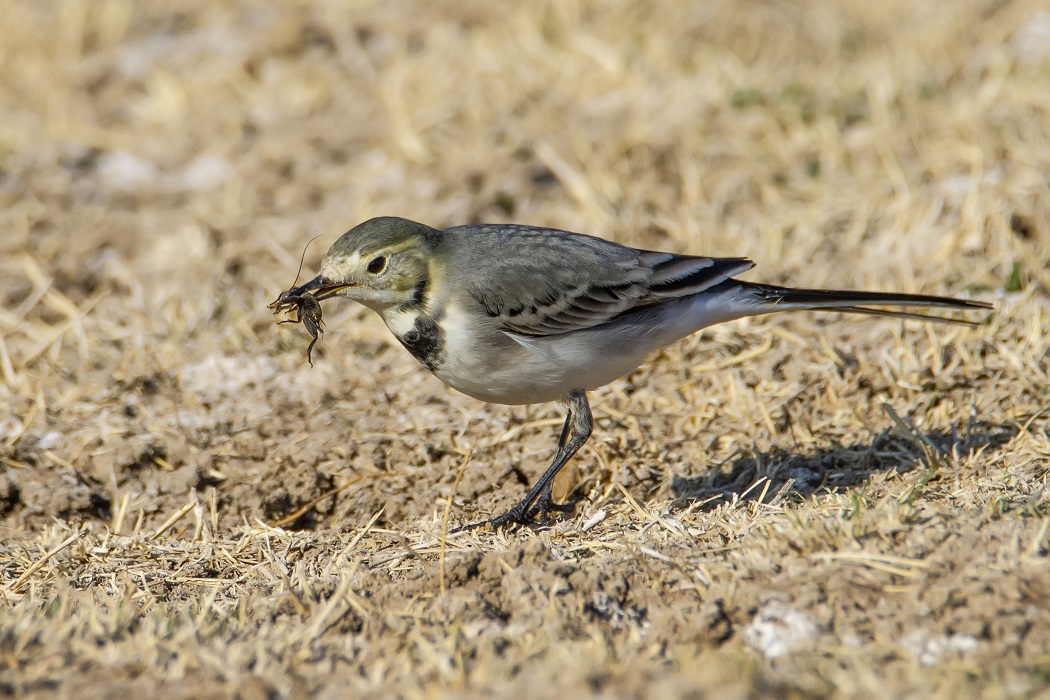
point(802, 505)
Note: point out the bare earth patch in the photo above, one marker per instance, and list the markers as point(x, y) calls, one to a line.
point(800, 505)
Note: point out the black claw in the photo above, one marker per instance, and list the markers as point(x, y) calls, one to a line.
point(514, 516)
point(537, 515)
point(547, 504)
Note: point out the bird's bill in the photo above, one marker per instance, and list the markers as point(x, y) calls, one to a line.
point(320, 288)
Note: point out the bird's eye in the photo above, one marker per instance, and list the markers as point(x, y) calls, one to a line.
point(376, 265)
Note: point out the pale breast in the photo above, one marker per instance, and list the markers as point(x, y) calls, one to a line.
point(485, 362)
point(470, 352)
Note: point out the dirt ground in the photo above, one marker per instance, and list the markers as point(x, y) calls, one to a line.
point(794, 506)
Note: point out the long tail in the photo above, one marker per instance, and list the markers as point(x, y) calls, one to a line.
point(785, 298)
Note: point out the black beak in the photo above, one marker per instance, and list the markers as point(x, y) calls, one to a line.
point(315, 283)
point(319, 287)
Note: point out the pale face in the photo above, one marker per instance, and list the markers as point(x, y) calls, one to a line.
point(381, 263)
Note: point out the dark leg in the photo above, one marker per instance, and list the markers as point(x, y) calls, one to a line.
point(545, 503)
point(574, 434)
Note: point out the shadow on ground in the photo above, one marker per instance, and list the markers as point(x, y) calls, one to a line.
point(901, 448)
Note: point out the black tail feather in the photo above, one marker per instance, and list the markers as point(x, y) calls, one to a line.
point(860, 302)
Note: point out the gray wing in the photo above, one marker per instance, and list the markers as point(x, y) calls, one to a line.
point(543, 282)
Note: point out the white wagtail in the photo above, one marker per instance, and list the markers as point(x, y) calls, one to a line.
point(520, 315)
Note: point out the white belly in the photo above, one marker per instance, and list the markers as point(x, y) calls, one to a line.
point(501, 367)
point(506, 368)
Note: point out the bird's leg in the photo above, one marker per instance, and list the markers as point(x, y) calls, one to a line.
point(545, 502)
point(575, 432)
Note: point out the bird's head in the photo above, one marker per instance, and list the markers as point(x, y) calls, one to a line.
point(381, 263)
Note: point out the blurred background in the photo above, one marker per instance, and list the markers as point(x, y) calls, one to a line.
point(163, 166)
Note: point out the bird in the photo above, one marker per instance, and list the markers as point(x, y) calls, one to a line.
point(515, 314)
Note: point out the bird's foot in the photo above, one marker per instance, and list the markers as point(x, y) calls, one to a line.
point(545, 506)
point(517, 515)
point(535, 515)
